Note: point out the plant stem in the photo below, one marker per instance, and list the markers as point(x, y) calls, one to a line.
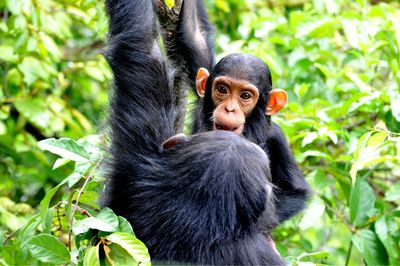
point(349, 253)
point(71, 222)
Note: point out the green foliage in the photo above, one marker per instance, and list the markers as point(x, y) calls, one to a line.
point(53, 83)
point(339, 61)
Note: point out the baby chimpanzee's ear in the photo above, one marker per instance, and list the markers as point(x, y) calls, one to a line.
point(174, 140)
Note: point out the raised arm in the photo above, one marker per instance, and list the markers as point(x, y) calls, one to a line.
point(188, 39)
point(142, 101)
point(190, 44)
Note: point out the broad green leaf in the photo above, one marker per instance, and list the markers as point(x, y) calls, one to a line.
point(108, 216)
point(309, 138)
point(81, 170)
point(7, 54)
point(47, 248)
point(105, 221)
point(45, 202)
point(35, 111)
point(368, 152)
point(116, 255)
point(14, 77)
point(393, 194)
point(396, 26)
point(313, 255)
point(377, 139)
point(132, 245)
point(124, 226)
point(65, 148)
point(362, 200)
point(317, 27)
point(3, 128)
point(385, 228)
point(60, 162)
point(50, 46)
point(92, 256)
point(362, 85)
point(84, 225)
point(9, 220)
point(34, 69)
point(370, 247)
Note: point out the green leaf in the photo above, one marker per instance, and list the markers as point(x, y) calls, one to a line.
point(47, 248)
point(313, 255)
point(108, 216)
point(118, 256)
point(7, 54)
point(50, 46)
point(60, 162)
point(65, 148)
point(370, 247)
point(34, 69)
point(132, 245)
point(317, 27)
point(362, 200)
point(92, 256)
point(309, 138)
point(105, 221)
point(368, 152)
point(393, 194)
point(385, 228)
point(377, 139)
point(45, 202)
point(124, 226)
point(35, 111)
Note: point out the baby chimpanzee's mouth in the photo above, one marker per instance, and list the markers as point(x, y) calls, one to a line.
point(235, 129)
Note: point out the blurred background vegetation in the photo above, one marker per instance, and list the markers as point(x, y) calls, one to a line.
point(338, 60)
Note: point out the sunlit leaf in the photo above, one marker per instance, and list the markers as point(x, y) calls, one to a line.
point(132, 245)
point(65, 148)
point(92, 256)
point(385, 229)
point(116, 255)
point(362, 200)
point(370, 247)
point(48, 249)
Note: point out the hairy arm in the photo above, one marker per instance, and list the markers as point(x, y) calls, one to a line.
point(142, 112)
point(291, 188)
point(188, 38)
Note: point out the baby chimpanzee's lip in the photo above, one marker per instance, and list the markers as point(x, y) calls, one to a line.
point(237, 129)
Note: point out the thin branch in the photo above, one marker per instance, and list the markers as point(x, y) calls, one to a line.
point(71, 223)
point(349, 253)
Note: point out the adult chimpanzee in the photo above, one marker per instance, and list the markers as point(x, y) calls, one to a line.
point(204, 199)
point(237, 96)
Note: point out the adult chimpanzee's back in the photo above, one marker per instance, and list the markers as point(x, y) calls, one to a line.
point(205, 199)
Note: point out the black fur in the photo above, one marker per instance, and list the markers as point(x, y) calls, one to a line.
point(290, 186)
point(207, 200)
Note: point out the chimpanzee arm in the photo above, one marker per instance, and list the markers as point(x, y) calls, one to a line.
point(190, 46)
point(291, 191)
point(142, 112)
point(188, 41)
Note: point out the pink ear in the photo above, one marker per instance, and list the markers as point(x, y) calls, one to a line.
point(201, 81)
point(174, 140)
point(277, 100)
